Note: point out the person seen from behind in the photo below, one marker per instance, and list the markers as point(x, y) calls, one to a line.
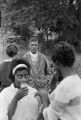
point(64, 102)
point(11, 52)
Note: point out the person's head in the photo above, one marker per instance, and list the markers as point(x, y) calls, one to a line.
point(11, 50)
point(19, 72)
point(63, 55)
point(33, 44)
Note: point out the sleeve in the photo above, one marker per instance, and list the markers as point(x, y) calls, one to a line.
point(62, 93)
point(58, 104)
point(47, 66)
point(3, 106)
point(49, 114)
point(3, 114)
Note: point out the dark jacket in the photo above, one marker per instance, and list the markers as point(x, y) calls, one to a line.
point(4, 73)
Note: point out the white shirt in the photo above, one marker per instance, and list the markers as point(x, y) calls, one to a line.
point(67, 92)
point(27, 107)
point(34, 57)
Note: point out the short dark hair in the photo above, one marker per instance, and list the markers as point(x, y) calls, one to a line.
point(33, 39)
point(16, 62)
point(63, 53)
point(11, 50)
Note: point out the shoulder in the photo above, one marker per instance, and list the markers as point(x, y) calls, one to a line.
point(70, 80)
point(5, 62)
point(4, 67)
point(43, 56)
point(27, 54)
point(68, 83)
point(64, 85)
point(5, 91)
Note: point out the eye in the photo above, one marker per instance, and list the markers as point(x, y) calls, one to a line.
point(19, 76)
point(26, 76)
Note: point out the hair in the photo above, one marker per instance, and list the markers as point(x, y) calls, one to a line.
point(33, 39)
point(11, 50)
point(63, 54)
point(16, 62)
point(57, 78)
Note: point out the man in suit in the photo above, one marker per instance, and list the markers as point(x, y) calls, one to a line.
point(40, 70)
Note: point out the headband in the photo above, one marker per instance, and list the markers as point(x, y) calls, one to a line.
point(19, 66)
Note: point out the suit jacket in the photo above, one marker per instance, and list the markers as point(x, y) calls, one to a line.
point(4, 73)
point(40, 72)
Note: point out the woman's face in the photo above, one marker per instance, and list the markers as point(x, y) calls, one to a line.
point(21, 76)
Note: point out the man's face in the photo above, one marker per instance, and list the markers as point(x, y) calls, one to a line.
point(33, 46)
point(21, 77)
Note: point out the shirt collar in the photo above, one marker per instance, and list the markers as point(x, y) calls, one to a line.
point(34, 56)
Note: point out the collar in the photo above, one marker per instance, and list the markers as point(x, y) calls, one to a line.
point(33, 56)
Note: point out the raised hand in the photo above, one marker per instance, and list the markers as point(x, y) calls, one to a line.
point(43, 94)
point(21, 93)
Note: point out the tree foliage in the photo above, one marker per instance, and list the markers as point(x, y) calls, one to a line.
point(60, 16)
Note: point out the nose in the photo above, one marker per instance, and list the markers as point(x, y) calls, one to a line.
point(23, 79)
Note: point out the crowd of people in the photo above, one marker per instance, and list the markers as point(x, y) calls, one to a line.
point(34, 92)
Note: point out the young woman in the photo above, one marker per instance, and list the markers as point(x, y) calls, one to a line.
point(65, 100)
point(17, 102)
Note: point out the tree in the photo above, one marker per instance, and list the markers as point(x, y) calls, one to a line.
point(60, 16)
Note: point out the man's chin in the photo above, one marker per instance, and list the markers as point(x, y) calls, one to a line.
point(34, 52)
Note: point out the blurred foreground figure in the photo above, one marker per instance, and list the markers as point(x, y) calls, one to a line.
point(11, 51)
point(65, 101)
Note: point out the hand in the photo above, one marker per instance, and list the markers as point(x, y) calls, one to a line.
point(43, 94)
point(21, 93)
point(40, 116)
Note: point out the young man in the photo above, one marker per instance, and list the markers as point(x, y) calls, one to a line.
point(40, 74)
point(17, 102)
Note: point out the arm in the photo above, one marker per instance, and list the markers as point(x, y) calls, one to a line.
point(48, 74)
point(43, 94)
point(53, 110)
point(58, 105)
point(12, 106)
point(3, 105)
point(47, 68)
point(8, 106)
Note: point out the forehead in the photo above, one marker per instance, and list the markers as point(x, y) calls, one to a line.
point(22, 71)
point(33, 43)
